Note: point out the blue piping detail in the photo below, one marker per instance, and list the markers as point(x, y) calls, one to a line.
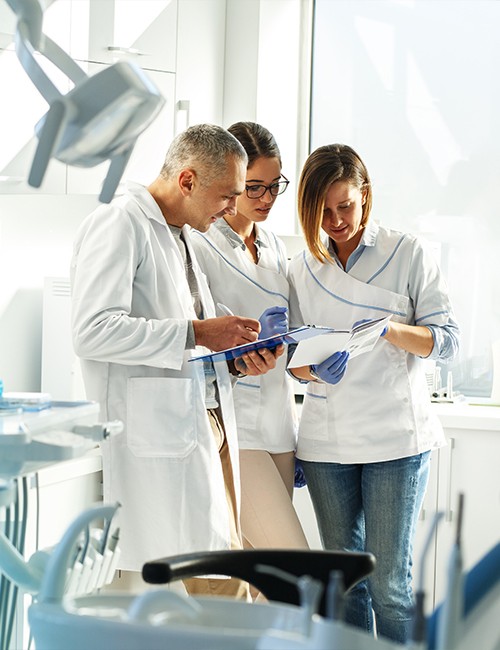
point(315, 396)
point(348, 302)
point(242, 383)
point(436, 313)
point(388, 261)
point(235, 268)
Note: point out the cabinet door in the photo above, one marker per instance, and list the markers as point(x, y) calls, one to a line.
point(200, 79)
point(22, 104)
point(105, 32)
point(20, 109)
point(424, 560)
point(55, 22)
point(470, 466)
point(149, 151)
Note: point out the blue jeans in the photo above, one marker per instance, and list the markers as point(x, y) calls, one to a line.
point(373, 507)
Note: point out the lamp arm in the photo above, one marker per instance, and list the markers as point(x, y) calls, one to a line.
point(25, 51)
point(30, 13)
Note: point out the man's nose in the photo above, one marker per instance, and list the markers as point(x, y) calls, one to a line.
point(231, 207)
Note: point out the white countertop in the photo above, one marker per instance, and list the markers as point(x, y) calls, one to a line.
point(467, 415)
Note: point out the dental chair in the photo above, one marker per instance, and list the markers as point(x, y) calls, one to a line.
point(481, 606)
point(265, 569)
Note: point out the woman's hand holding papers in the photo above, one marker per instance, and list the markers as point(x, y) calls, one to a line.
point(331, 370)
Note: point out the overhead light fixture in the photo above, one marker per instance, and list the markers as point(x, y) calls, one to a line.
point(99, 119)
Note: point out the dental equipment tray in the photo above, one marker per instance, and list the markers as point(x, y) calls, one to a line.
point(30, 441)
point(256, 566)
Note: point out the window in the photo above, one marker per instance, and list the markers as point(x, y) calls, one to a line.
point(413, 86)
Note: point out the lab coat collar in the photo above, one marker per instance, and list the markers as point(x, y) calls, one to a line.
point(146, 202)
point(368, 239)
point(234, 239)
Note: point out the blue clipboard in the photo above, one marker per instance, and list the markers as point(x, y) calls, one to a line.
point(292, 336)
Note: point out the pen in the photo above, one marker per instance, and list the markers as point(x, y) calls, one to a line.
point(225, 310)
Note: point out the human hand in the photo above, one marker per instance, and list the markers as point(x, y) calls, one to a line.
point(366, 320)
point(299, 477)
point(331, 370)
point(258, 362)
point(225, 332)
point(274, 320)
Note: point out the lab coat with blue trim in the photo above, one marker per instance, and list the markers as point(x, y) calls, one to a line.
point(264, 405)
point(380, 410)
point(130, 309)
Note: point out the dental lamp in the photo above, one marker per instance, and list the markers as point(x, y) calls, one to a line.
point(100, 118)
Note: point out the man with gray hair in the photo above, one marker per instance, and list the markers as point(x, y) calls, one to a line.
point(141, 309)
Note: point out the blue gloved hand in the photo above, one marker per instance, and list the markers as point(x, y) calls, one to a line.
point(273, 321)
point(331, 370)
point(300, 479)
point(365, 320)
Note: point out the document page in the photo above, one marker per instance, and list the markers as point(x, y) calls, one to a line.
point(292, 336)
point(358, 340)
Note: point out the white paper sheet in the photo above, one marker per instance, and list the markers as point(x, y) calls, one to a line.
point(358, 340)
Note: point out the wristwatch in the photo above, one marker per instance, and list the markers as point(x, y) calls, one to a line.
point(234, 370)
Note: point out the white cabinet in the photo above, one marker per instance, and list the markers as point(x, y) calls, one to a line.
point(22, 105)
point(102, 32)
point(469, 465)
point(201, 49)
point(146, 30)
point(149, 152)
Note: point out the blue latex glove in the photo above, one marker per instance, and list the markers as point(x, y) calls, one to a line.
point(273, 321)
point(332, 370)
point(300, 479)
point(365, 320)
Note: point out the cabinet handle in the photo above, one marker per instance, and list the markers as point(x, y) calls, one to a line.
point(182, 106)
point(11, 179)
point(449, 511)
point(125, 50)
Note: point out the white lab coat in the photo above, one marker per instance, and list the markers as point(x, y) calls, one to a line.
point(131, 305)
point(264, 405)
point(380, 410)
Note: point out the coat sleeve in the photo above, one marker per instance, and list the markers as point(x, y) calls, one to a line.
point(429, 293)
point(116, 317)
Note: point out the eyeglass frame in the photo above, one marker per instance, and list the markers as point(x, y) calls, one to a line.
point(267, 188)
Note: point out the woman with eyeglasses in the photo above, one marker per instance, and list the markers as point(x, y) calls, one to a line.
point(246, 267)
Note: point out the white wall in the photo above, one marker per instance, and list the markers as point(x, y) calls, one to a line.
point(265, 51)
point(36, 235)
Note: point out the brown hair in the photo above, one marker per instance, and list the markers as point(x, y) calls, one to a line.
point(257, 141)
point(327, 165)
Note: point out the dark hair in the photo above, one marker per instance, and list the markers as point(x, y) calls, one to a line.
point(327, 165)
point(205, 148)
point(257, 141)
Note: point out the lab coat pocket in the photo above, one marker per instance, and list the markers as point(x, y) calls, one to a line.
point(246, 396)
point(161, 420)
point(314, 416)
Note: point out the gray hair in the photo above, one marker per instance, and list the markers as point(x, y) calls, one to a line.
point(204, 148)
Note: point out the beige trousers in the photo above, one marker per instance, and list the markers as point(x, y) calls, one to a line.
point(230, 587)
point(268, 518)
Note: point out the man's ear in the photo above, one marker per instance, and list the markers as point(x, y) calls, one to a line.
point(187, 180)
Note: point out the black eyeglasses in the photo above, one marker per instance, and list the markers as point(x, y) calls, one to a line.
point(256, 191)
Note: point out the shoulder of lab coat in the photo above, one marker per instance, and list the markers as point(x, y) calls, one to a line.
point(129, 303)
